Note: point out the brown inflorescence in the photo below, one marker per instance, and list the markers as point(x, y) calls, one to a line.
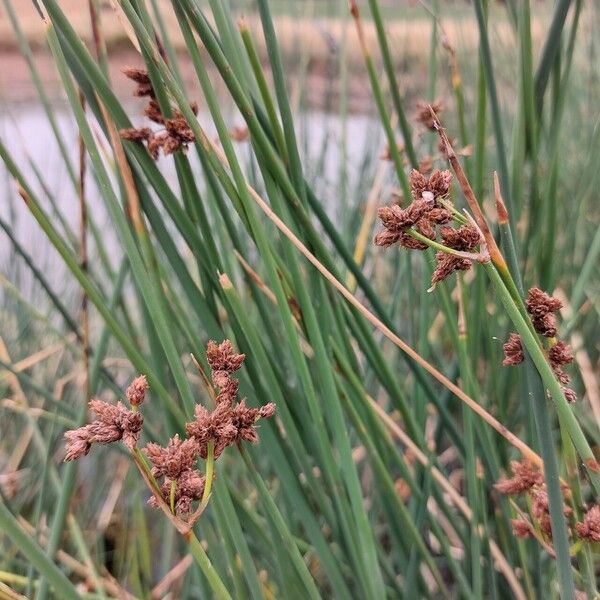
point(133, 134)
point(529, 480)
point(239, 133)
point(521, 528)
point(465, 238)
point(424, 215)
point(136, 392)
point(229, 423)
point(540, 509)
point(423, 114)
point(541, 307)
point(173, 465)
point(177, 133)
point(141, 77)
point(115, 422)
point(525, 476)
point(172, 460)
point(589, 529)
point(513, 350)
point(560, 354)
point(189, 488)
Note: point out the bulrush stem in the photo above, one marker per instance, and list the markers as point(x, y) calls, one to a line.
point(172, 495)
point(482, 256)
point(465, 186)
point(210, 469)
point(210, 466)
point(565, 413)
point(200, 556)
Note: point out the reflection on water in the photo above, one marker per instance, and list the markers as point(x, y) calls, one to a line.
point(28, 134)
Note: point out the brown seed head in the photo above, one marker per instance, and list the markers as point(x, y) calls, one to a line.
point(221, 357)
point(410, 243)
point(136, 74)
point(153, 112)
point(540, 304)
point(189, 488)
point(546, 325)
point(525, 476)
point(239, 133)
point(386, 238)
point(521, 528)
point(136, 392)
point(513, 351)
point(589, 529)
point(464, 238)
point(133, 134)
point(560, 354)
point(438, 184)
point(215, 426)
point(448, 264)
point(179, 129)
point(171, 144)
point(171, 461)
point(77, 443)
point(115, 422)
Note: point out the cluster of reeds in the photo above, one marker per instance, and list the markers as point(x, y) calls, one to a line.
point(386, 472)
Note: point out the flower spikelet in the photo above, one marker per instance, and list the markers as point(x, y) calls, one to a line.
point(589, 529)
point(114, 423)
point(513, 351)
point(178, 456)
point(136, 392)
point(222, 357)
point(525, 476)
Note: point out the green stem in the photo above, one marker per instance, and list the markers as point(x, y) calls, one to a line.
point(201, 558)
point(210, 467)
point(172, 495)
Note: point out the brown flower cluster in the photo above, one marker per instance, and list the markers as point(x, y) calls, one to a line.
point(114, 422)
point(513, 350)
point(589, 529)
point(230, 422)
point(466, 238)
point(543, 308)
point(173, 466)
point(528, 479)
point(425, 214)
point(176, 133)
point(175, 463)
point(423, 114)
point(525, 476)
